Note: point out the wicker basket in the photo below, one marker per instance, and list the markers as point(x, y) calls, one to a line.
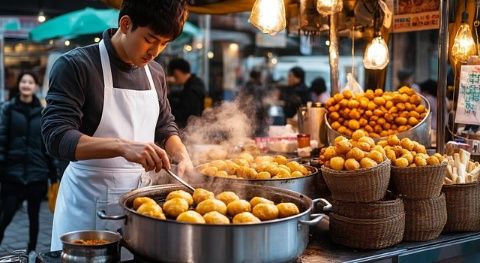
point(463, 207)
point(373, 210)
point(367, 233)
point(419, 182)
point(363, 185)
point(424, 219)
point(320, 185)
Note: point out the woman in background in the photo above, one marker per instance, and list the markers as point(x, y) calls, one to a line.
point(25, 166)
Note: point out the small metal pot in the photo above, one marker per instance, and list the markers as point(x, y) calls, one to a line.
point(109, 252)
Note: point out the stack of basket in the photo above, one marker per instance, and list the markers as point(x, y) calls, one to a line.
point(425, 207)
point(362, 217)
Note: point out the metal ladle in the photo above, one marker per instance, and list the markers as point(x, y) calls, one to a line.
point(176, 177)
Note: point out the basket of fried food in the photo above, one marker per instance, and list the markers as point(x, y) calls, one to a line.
point(415, 174)
point(356, 170)
point(424, 219)
point(462, 193)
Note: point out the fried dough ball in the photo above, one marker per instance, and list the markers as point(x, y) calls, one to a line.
point(191, 217)
point(265, 211)
point(407, 155)
point(181, 194)
point(358, 134)
point(439, 157)
point(211, 205)
point(367, 163)
point(216, 218)
point(221, 174)
point(227, 197)
point(245, 218)
point(282, 173)
point(201, 194)
point(297, 174)
point(137, 202)
point(259, 200)
point(246, 156)
point(352, 164)
point(343, 146)
point(282, 166)
point(420, 161)
point(220, 164)
point(376, 156)
point(238, 206)
point(293, 165)
point(379, 149)
point(287, 209)
point(418, 148)
point(364, 146)
point(393, 140)
point(280, 159)
point(175, 207)
point(151, 209)
point(356, 154)
point(210, 170)
point(330, 152)
point(337, 163)
point(408, 144)
point(432, 160)
point(263, 176)
point(401, 162)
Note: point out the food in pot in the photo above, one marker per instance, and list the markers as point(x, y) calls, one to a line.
point(141, 200)
point(191, 216)
point(175, 207)
point(181, 194)
point(90, 242)
point(238, 206)
point(287, 209)
point(265, 211)
point(245, 218)
point(209, 205)
point(379, 113)
point(259, 168)
point(227, 197)
point(259, 200)
point(151, 209)
point(215, 217)
point(201, 194)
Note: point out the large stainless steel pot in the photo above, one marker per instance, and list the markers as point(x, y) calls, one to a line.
point(419, 133)
point(78, 253)
point(306, 185)
point(280, 240)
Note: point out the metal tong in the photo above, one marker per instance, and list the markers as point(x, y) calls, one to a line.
point(176, 177)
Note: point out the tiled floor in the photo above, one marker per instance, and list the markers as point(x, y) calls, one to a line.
point(16, 235)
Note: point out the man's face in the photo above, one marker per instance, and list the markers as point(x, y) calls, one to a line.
point(142, 45)
point(292, 80)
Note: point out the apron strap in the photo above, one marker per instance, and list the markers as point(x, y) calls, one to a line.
point(107, 71)
point(149, 76)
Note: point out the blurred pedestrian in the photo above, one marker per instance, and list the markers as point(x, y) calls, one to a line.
point(190, 100)
point(24, 162)
point(318, 90)
point(406, 78)
point(295, 93)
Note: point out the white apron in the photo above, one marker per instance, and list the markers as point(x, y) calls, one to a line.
point(90, 185)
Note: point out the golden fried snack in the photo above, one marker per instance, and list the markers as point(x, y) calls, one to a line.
point(201, 194)
point(280, 159)
point(376, 156)
point(420, 161)
point(287, 209)
point(191, 217)
point(238, 206)
point(358, 134)
point(175, 207)
point(137, 202)
point(356, 154)
point(367, 163)
point(152, 210)
point(433, 160)
point(245, 218)
point(337, 163)
point(265, 211)
point(181, 194)
point(259, 200)
point(215, 217)
point(209, 205)
point(352, 164)
point(227, 197)
point(401, 162)
point(263, 176)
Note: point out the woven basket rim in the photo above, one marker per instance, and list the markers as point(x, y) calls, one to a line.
point(461, 185)
point(428, 200)
point(379, 202)
point(367, 221)
point(419, 167)
point(359, 171)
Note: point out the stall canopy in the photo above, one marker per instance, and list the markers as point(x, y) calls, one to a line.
point(86, 22)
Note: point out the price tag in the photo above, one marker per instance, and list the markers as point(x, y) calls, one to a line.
point(468, 106)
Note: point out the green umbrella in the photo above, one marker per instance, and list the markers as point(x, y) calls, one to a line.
point(86, 22)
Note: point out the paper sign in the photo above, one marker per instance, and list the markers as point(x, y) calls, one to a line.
point(415, 15)
point(468, 106)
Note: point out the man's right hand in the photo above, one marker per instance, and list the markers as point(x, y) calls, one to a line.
point(149, 155)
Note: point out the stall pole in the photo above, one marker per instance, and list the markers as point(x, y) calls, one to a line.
point(442, 75)
point(207, 46)
point(333, 50)
point(2, 67)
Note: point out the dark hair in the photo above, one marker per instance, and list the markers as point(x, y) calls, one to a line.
point(299, 73)
point(255, 74)
point(404, 74)
point(318, 85)
point(180, 64)
point(27, 73)
point(164, 17)
point(429, 87)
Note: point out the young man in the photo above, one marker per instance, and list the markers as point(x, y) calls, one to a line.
point(190, 100)
point(108, 113)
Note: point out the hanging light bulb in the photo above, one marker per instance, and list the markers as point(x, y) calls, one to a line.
point(329, 7)
point(268, 16)
point(376, 55)
point(41, 17)
point(463, 45)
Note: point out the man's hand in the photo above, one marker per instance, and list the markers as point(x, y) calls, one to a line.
point(185, 166)
point(149, 155)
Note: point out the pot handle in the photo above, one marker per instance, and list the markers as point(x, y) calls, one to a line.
point(326, 205)
point(316, 219)
point(102, 215)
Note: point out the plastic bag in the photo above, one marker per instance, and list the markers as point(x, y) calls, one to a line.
point(352, 85)
point(52, 196)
